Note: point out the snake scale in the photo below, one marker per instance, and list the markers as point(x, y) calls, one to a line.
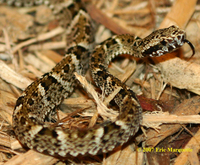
point(40, 99)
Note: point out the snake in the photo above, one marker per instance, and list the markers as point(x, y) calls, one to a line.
point(39, 100)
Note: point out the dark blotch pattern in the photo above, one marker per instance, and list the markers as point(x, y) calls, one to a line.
point(102, 74)
point(30, 101)
point(87, 29)
point(113, 83)
point(81, 134)
point(23, 120)
point(35, 94)
point(163, 42)
point(54, 134)
point(129, 40)
point(123, 93)
point(48, 98)
point(47, 131)
point(47, 82)
point(111, 42)
point(20, 100)
point(66, 68)
point(77, 50)
point(152, 49)
point(93, 59)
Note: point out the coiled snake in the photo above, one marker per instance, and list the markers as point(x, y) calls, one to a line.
point(40, 99)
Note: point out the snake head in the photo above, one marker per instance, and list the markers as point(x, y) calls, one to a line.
point(164, 41)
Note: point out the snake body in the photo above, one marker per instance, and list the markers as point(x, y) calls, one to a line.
point(39, 100)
